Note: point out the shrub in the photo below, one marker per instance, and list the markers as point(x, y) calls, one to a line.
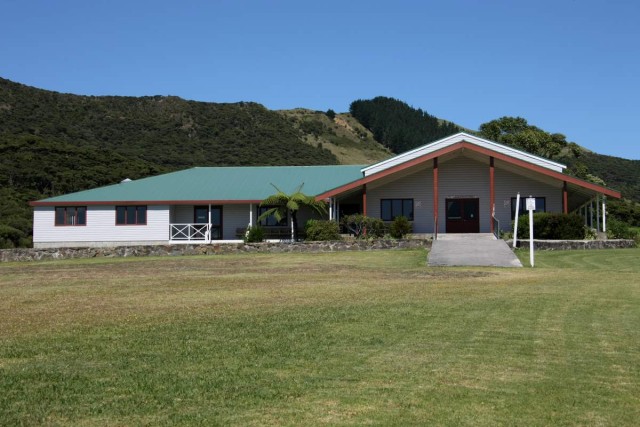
point(331, 114)
point(322, 230)
point(617, 229)
point(254, 234)
point(400, 227)
point(552, 226)
point(358, 223)
point(10, 237)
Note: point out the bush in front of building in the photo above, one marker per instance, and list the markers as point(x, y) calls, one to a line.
point(364, 226)
point(254, 235)
point(552, 226)
point(320, 230)
point(400, 227)
point(617, 229)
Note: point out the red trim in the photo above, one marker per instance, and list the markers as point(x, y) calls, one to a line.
point(492, 193)
point(471, 147)
point(435, 194)
point(147, 202)
point(565, 200)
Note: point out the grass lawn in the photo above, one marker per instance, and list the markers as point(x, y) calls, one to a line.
point(312, 339)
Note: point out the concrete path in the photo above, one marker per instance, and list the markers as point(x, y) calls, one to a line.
point(471, 250)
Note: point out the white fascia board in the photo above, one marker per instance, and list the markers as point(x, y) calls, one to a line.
point(459, 137)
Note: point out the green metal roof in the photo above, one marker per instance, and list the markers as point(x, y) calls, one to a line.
point(217, 184)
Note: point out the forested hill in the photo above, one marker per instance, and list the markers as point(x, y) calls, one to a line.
point(398, 126)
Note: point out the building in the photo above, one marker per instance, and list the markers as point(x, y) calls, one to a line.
point(461, 183)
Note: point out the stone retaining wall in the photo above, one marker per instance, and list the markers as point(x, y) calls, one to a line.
point(238, 248)
point(562, 245)
point(213, 249)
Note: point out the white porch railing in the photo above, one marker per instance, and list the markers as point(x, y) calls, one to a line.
point(189, 232)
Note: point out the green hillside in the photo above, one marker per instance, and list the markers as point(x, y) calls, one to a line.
point(341, 134)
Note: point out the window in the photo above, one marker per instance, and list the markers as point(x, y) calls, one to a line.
point(270, 221)
point(541, 205)
point(391, 208)
point(71, 215)
point(131, 215)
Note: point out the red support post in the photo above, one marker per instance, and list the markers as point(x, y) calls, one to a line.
point(364, 200)
point(565, 199)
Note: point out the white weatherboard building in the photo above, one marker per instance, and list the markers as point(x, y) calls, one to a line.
point(459, 184)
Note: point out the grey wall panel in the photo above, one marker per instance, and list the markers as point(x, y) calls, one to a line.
point(182, 214)
point(234, 217)
point(417, 186)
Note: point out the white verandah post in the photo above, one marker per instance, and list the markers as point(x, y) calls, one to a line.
point(331, 201)
point(515, 222)
point(604, 214)
point(209, 224)
point(598, 213)
point(250, 214)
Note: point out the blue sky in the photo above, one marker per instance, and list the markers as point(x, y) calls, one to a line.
point(566, 66)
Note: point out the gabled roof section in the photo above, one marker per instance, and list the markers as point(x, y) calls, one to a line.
point(425, 150)
point(214, 185)
point(458, 142)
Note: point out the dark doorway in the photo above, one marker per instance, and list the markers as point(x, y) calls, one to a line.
point(201, 216)
point(349, 209)
point(346, 209)
point(463, 215)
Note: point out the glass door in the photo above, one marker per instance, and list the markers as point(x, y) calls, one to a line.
point(463, 215)
point(216, 222)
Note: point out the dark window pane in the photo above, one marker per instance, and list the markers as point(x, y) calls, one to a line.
point(216, 217)
point(541, 205)
point(71, 216)
point(270, 221)
point(141, 214)
point(131, 214)
point(386, 210)
point(121, 213)
point(396, 208)
point(470, 210)
point(82, 216)
point(453, 209)
point(59, 216)
point(407, 209)
point(201, 215)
